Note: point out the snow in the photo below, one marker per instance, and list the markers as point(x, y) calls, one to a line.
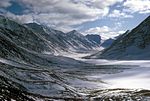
point(136, 77)
point(59, 41)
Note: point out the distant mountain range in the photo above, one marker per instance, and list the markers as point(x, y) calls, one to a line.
point(104, 43)
point(60, 41)
point(94, 37)
point(39, 38)
point(134, 44)
point(19, 43)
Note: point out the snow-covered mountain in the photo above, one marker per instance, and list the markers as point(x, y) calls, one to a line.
point(60, 41)
point(26, 73)
point(39, 38)
point(103, 42)
point(53, 37)
point(95, 38)
point(134, 44)
point(18, 43)
point(22, 36)
point(80, 42)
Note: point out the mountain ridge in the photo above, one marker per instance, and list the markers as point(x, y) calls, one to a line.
point(71, 41)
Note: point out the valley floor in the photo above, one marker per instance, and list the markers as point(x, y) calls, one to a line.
point(102, 80)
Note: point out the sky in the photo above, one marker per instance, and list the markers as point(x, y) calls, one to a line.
point(107, 18)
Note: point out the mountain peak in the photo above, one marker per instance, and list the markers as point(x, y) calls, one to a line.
point(94, 37)
point(73, 32)
point(35, 24)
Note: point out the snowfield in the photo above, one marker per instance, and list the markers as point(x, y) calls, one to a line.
point(136, 76)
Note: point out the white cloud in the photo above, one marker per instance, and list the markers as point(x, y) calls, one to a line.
point(65, 13)
point(20, 18)
point(103, 29)
point(105, 32)
point(118, 14)
point(5, 3)
point(140, 6)
point(104, 3)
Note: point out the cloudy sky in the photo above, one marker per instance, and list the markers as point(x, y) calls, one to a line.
point(105, 17)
